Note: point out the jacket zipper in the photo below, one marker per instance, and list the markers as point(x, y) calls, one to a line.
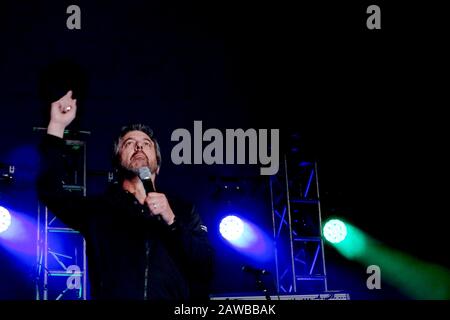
point(147, 262)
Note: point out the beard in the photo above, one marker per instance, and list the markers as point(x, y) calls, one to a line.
point(130, 169)
point(137, 160)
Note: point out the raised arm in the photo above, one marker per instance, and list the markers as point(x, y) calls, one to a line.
point(69, 207)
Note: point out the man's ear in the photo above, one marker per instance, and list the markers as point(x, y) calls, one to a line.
point(157, 170)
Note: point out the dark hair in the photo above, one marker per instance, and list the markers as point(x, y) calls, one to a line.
point(135, 127)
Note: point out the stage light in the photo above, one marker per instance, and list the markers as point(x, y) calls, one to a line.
point(231, 228)
point(335, 231)
point(5, 219)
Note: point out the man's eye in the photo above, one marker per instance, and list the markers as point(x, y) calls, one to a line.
point(147, 144)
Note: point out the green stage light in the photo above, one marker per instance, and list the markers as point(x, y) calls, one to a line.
point(415, 278)
point(335, 231)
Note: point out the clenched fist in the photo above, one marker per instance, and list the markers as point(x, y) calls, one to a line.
point(62, 114)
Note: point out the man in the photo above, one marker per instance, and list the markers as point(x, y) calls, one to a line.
point(140, 245)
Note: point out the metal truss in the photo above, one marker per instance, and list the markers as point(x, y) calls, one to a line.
point(297, 225)
point(61, 272)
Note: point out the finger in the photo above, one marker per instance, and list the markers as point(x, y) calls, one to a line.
point(160, 196)
point(74, 106)
point(155, 212)
point(151, 203)
point(67, 98)
point(152, 197)
point(56, 106)
point(68, 106)
point(157, 207)
point(153, 194)
point(65, 108)
point(62, 107)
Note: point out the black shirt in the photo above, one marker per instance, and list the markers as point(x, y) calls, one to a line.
point(131, 255)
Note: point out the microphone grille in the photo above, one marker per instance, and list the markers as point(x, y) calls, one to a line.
point(144, 173)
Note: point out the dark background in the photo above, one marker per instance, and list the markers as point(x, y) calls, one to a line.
point(367, 105)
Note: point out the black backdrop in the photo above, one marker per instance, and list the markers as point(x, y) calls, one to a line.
point(367, 105)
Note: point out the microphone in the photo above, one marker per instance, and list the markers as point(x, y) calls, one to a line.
point(255, 271)
point(145, 175)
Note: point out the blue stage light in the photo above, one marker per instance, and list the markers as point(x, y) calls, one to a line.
point(231, 228)
point(5, 219)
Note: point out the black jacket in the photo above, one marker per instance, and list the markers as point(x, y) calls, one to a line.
point(130, 255)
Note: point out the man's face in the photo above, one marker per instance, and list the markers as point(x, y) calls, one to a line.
point(137, 150)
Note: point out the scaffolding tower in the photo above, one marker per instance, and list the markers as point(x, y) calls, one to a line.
point(297, 228)
point(61, 251)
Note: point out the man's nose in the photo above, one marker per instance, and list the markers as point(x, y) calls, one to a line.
point(139, 146)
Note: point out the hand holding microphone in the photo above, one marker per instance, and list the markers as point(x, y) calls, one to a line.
point(157, 202)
